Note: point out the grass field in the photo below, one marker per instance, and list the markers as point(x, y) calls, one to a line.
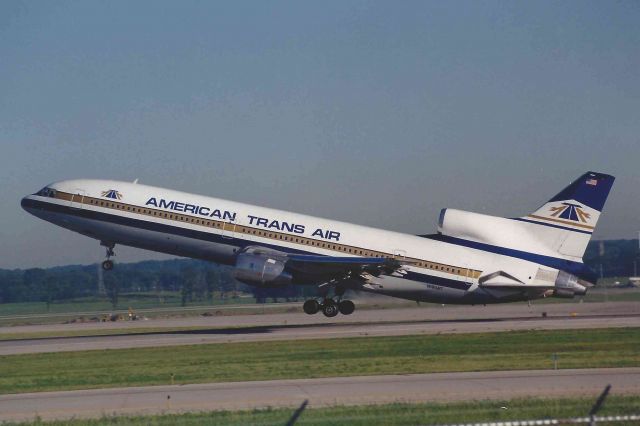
point(390, 414)
point(320, 358)
point(170, 304)
point(129, 331)
point(93, 312)
point(100, 304)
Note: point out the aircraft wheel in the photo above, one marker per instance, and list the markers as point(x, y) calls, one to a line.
point(329, 308)
point(346, 307)
point(311, 307)
point(107, 265)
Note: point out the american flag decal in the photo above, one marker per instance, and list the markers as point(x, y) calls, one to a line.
point(592, 182)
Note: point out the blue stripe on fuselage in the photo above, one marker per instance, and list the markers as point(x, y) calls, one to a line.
point(432, 279)
point(521, 219)
point(576, 268)
point(212, 237)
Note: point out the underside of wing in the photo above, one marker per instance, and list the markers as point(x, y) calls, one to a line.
point(324, 268)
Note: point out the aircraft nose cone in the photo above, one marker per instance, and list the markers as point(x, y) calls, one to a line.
point(26, 204)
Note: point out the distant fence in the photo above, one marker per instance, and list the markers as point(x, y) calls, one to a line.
point(571, 421)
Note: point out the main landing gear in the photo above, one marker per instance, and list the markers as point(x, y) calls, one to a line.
point(329, 307)
point(107, 265)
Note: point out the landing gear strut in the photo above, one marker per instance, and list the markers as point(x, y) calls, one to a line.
point(329, 307)
point(107, 265)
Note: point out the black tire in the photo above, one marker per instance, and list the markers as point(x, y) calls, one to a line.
point(107, 265)
point(311, 307)
point(346, 307)
point(329, 308)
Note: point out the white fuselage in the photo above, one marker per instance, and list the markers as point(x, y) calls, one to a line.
point(217, 230)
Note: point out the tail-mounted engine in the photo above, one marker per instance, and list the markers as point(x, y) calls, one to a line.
point(261, 268)
point(568, 286)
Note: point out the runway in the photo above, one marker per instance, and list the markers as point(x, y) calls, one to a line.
point(293, 326)
point(320, 392)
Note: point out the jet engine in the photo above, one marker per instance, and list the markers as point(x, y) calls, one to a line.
point(262, 270)
point(568, 286)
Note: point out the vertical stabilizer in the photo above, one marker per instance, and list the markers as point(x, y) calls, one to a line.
point(574, 212)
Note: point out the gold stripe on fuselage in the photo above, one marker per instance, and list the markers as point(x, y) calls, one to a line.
point(262, 233)
point(564, 222)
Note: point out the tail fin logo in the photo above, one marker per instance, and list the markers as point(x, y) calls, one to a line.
point(570, 211)
point(112, 193)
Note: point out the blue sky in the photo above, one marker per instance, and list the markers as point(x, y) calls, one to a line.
point(378, 113)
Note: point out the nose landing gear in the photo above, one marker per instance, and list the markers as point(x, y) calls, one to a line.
point(107, 265)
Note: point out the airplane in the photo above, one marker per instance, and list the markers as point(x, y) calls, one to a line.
point(472, 259)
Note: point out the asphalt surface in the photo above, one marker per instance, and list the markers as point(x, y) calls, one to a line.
point(501, 385)
point(381, 322)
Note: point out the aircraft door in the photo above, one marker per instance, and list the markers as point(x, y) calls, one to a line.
point(77, 198)
point(230, 229)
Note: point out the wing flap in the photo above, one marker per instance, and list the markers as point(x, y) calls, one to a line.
point(339, 267)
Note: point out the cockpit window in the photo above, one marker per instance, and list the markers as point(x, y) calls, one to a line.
point(47, 192)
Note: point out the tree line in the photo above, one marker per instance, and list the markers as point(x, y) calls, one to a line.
point(198, 281)
point(193, 280)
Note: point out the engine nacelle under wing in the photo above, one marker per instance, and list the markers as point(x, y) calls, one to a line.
point(261, 270)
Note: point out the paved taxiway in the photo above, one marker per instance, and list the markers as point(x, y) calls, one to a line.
point(320, 392)
point(375, 322)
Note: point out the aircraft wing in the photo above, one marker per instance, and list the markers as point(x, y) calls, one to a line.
point(334, 267)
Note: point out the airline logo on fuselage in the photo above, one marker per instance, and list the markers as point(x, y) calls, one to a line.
point(191, 208)
point(296, 228)
point(112, 193)
point(263, 222)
